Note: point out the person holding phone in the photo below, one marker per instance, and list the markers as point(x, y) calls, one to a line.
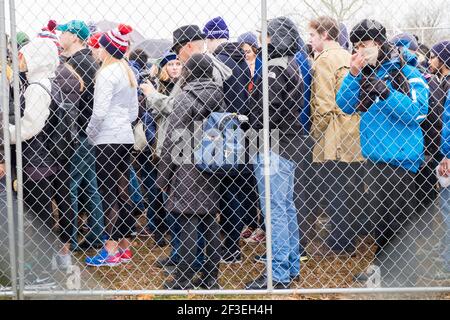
point(392, 99)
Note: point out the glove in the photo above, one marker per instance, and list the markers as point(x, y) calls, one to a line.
point(366, 98)
point(376, 88)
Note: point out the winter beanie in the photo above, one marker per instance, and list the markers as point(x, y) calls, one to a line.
point(406, 40)
point(250, 39)
point(442, 51)
point(93, 41)
point(49, 32)
point(116, 41)
point(216, 29)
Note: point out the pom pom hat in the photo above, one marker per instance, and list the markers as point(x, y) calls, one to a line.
point(117, 41)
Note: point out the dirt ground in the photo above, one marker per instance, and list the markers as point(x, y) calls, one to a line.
point(318, 272)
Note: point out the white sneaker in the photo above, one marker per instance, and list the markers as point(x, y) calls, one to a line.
point(61, 261)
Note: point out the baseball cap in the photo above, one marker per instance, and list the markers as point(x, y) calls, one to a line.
point(76, 27)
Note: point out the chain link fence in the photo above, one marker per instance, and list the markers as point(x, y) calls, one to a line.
point(156, 148)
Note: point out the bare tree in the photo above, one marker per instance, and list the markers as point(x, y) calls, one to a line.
point(426, 24)
point(341, 10)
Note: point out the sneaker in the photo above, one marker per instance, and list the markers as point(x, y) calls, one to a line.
point(247, 233)
point(126, 256)
point(263, 258)
point(104, 259)
point(230, 258)
point(41, 282)
point(259, 236)
point(144, 233)
point(61, 262)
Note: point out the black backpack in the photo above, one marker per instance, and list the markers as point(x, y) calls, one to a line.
point(63, 128)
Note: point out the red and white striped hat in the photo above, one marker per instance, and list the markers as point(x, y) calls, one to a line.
point(117, 41)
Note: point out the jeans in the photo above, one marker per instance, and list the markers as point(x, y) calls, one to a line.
point(83, 170)
point(445, 208)
point(285, 229)
point(135, 191)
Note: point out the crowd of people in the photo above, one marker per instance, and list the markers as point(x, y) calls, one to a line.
point(362, 123)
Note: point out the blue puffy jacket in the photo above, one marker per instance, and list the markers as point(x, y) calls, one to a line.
point(446, 128)
point(390, 129)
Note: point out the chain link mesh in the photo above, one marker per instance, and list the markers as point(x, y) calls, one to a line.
point(131, 112)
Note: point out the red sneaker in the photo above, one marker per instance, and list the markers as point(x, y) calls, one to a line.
point(126, 256)
point(247, 233)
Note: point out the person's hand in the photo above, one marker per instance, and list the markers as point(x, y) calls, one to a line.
point(357, 63)
point(376, 88)
point(147, 88)
point(2, 170)
point(444, 168)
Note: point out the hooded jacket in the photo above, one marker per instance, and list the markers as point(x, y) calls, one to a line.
point(236, 87)
point(190, 190)
point(162, 105)
point(85, 65)
point(2, 150)
point(390, 129)
point(445, 146)
point(42, 60)
point(303, 62)
point(286, 90)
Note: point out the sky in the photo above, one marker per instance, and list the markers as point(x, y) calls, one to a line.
point(158, 18)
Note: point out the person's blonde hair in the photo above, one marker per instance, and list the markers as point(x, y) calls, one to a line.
point(164, 74)
point(74, 73)
point(111, 60)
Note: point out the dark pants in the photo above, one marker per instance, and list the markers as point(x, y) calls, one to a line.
point(427, 194)
point(156, 214)
point(339, 188)
point(185, 270)
point(234, 206)
point(251, 202)
point(38, 196)
point(113, 172)
point(40, 242)
point(392, 205)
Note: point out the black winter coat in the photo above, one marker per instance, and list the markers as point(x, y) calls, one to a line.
point(85, 65)
point(236, 87)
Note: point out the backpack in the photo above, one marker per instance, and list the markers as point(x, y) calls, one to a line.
point(221, 150)
point(62, 123)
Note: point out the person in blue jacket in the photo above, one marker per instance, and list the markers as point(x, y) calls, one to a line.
point(440, 62)
point(392, 98)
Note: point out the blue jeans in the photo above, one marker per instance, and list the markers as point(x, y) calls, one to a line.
point(175, 242)
point(445, 209)
point(83, 170)
point(135, 192)
point(285, 229)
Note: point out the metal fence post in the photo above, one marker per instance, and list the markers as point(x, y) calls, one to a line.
point(6, 140)
point(16, 86)
point(265, 74)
